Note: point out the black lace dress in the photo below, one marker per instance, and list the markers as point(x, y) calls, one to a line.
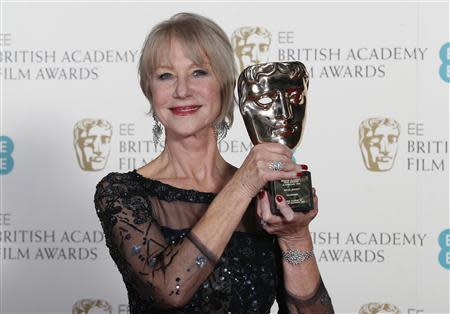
point(166, 269)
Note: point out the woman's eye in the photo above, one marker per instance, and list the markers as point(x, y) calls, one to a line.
point(200, 72)
point(164, 76)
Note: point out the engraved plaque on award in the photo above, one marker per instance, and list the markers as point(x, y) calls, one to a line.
point(272, 101)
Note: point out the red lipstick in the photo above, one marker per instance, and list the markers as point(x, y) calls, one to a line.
point(184, 110)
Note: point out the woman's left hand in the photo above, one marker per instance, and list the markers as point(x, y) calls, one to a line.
point(289, 225)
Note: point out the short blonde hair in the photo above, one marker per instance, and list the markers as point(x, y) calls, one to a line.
point(201, 37)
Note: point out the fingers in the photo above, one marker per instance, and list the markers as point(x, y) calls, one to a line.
point(315, 210)
point(285, 209)
point(275, 148)
point(263, 209)
point(267, 162)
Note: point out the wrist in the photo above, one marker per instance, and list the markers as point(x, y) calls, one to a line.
point(300, 239)
point(235, 190)
point(241, 189)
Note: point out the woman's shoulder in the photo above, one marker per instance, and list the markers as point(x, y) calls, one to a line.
point(117, 183)
point(116, 178)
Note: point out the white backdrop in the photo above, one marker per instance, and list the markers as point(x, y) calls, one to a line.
point(381, 236)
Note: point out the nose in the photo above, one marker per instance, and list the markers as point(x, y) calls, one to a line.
point(282, 107)
point(97, 145)
point(255, 54)
point(181, 88)
point(384, 146)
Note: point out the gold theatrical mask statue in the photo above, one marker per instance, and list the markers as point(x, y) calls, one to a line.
point(92, 139)
point(251, 45)
point(378, 140)
point(379, 308)
point(272, 101)
point(91, 306)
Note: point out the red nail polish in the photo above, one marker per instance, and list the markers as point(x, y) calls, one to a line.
point(279, 198)
point(299, 174)
point(304, 167)
point(260, 194)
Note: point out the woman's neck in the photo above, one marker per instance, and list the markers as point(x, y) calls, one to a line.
point(191, 162)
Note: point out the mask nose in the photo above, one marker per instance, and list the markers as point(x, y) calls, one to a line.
point(97, 146)
point(282, 108)
point(384, 146)
point(255, 54)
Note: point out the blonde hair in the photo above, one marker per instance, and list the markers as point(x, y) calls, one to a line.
point(200, 37)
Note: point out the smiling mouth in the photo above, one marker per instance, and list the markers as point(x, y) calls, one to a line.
point(184, 110)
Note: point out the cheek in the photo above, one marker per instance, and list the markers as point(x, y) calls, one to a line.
point(212, 93)
point(158, 98)
point(160, 94)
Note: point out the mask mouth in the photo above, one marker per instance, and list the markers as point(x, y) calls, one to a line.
point(284, 131)
point(384, 159)
point(98, 159)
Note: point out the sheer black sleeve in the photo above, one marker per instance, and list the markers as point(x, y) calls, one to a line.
point(166, 274)
point(318, 303)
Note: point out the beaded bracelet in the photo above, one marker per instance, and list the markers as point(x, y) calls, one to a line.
point(295, 257)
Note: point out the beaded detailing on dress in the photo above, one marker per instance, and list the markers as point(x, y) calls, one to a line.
point(167, 269)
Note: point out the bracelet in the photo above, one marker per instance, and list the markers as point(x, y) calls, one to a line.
point(295, 257)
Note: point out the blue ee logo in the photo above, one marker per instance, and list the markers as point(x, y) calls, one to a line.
point(444, 69)
point(444, 254)
point(6, 160)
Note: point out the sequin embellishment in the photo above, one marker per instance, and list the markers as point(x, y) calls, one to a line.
point(135, 249)
point(200, 261)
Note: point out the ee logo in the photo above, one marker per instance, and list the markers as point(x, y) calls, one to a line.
point(6, 160)
point(444, 69)
point(444, 254)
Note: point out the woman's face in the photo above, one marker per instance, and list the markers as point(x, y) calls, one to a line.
point(185, 95)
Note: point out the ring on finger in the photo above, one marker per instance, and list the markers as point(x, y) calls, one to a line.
point(276, 165)
point(263, 222)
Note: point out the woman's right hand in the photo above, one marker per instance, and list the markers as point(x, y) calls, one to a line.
point(255, 171)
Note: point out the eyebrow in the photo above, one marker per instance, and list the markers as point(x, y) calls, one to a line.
point(193, 65)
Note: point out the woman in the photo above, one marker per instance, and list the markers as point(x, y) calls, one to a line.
point(184, 230)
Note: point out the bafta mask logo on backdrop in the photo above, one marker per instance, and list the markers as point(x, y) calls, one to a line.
point(444, 69)
point(91, 306)
point(91, 138)
point(6, 159)
point(444, 254)
point(251, 45)
point(378, 140)
point(378, 308)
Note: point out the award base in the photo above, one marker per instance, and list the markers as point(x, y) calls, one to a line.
point(297, 193)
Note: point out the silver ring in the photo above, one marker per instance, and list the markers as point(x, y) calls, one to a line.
point(275, 165)
point(263, 222)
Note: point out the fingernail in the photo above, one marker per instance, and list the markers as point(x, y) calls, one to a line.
point(260, 194)
point(304, 167)
point(299, 174)
point(279, 198)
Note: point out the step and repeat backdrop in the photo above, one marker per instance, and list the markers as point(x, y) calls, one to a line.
point(376, 142)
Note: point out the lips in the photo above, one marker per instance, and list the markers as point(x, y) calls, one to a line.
point(184, 110)
point(284, 131)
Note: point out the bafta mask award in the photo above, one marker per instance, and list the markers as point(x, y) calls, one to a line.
point(272, 101)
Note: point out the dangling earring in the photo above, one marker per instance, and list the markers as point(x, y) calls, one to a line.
point(221, 130)
point(157, 130)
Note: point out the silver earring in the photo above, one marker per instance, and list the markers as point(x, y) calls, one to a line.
point(221, 130)
point(157, 130)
